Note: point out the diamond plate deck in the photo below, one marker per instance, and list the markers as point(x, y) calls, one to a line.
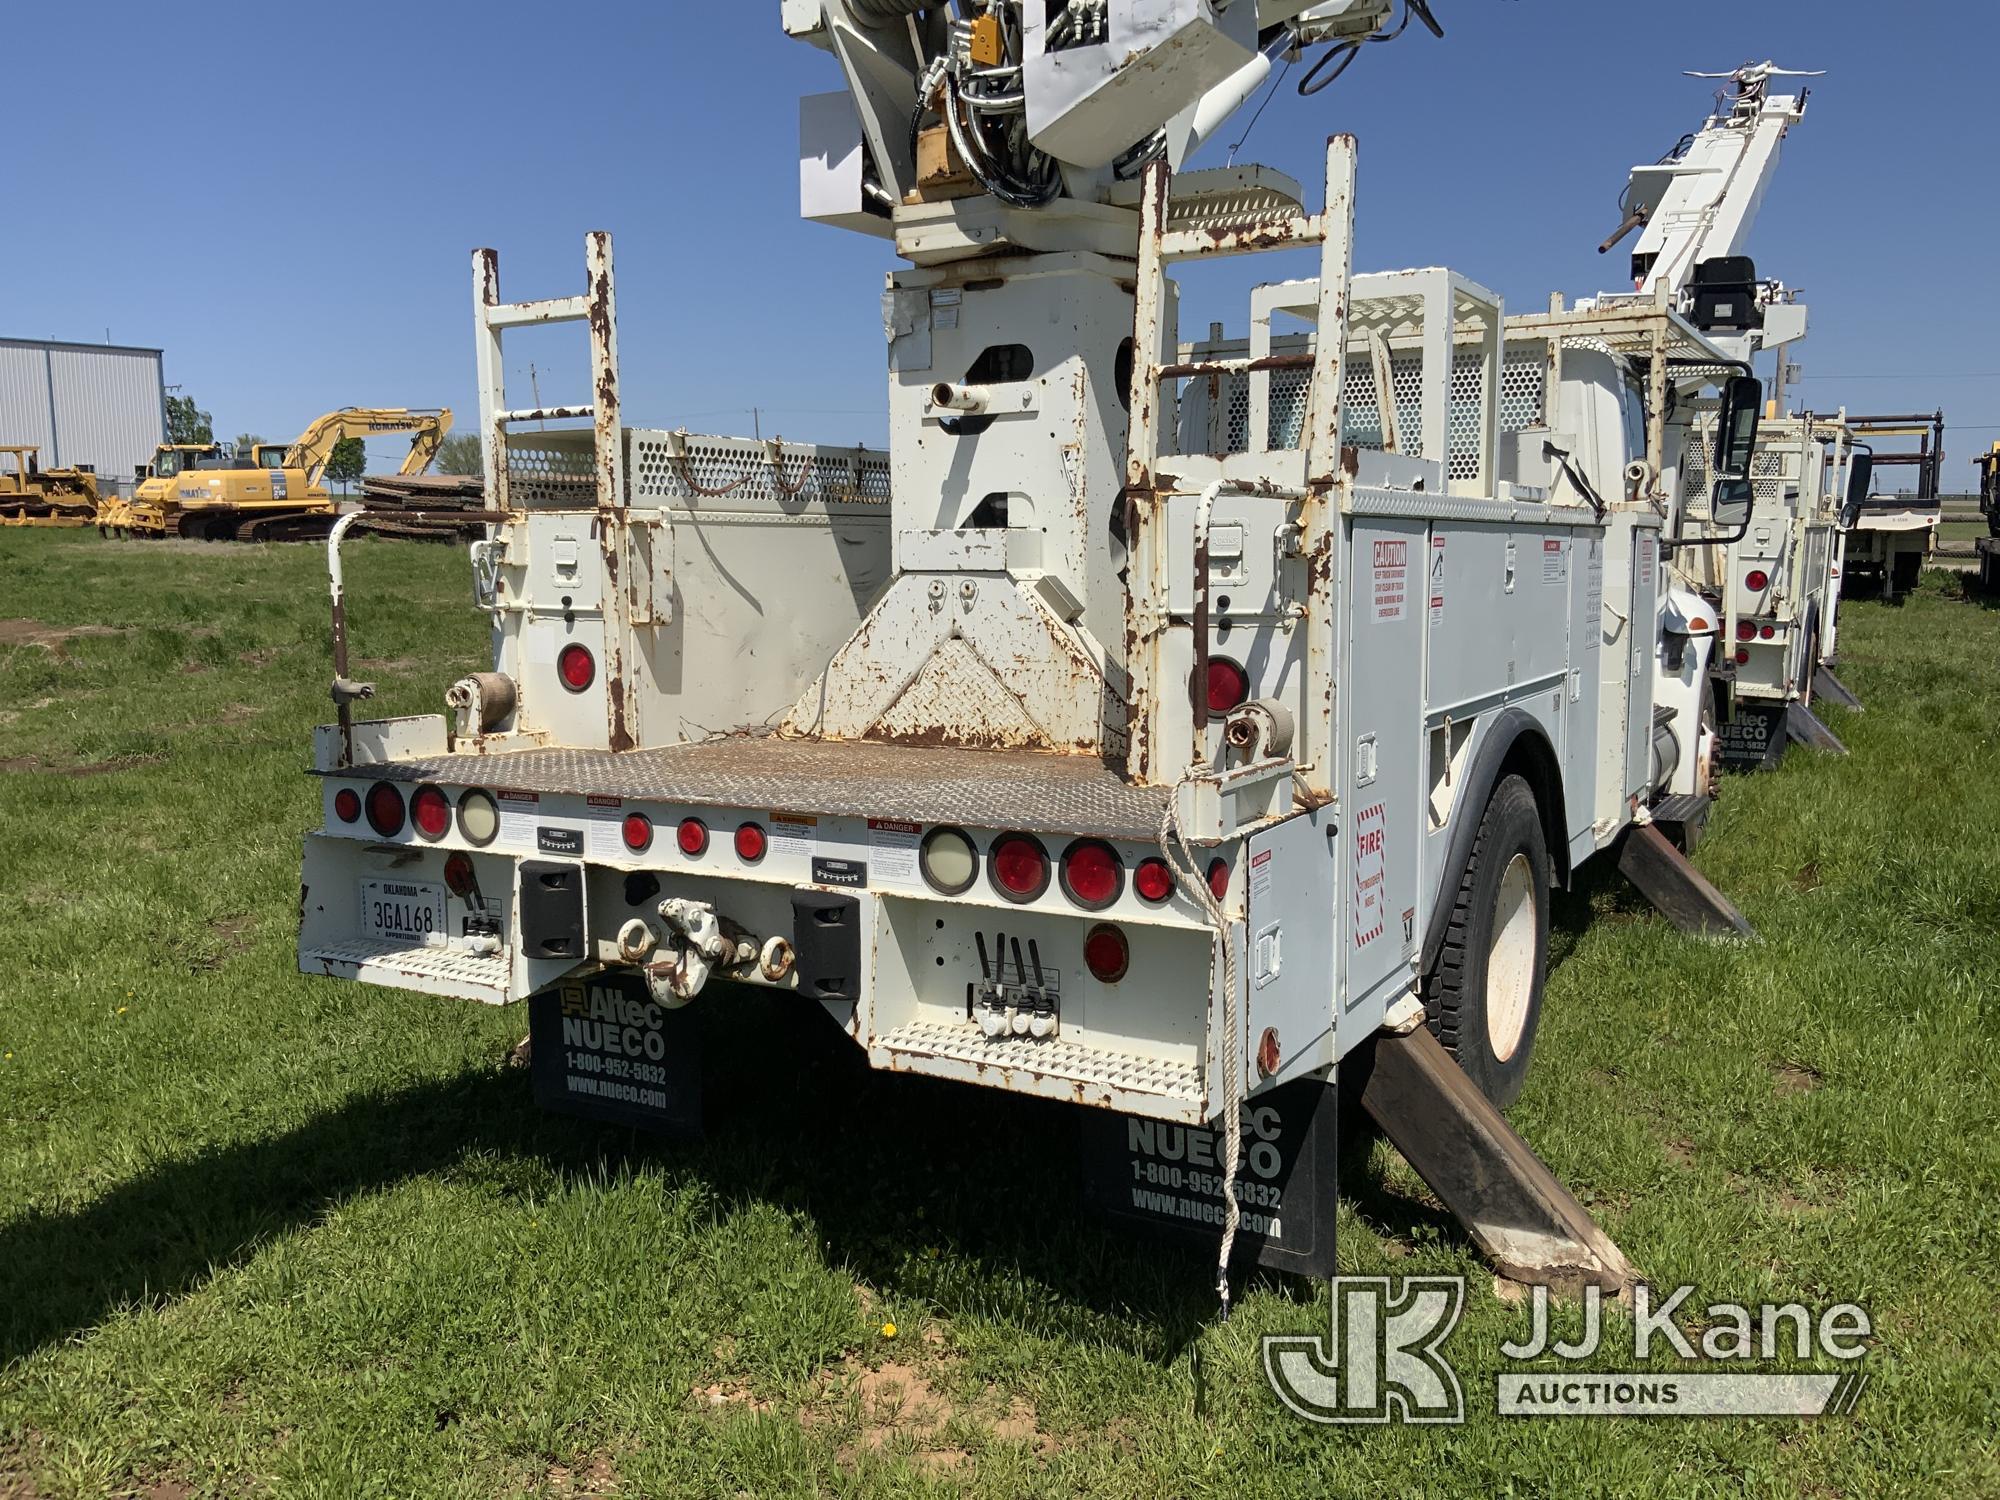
point(432, 971)
point(1034, 791)
point(1051, 1059)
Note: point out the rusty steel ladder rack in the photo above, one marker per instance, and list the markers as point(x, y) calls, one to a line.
point(596, 306)
point(1148, 625)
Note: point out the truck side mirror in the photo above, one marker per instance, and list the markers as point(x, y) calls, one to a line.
point(1729, 509)
point(1860, 477)
point(1736, 426)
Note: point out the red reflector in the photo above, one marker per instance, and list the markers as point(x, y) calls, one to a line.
point(1767, 632)
point(1218, 879)
point(1742, 657)
point(578, 668)
point(750, 843)
point(1756, 580)
point(1091, 874)
point(430, 810)
point(1020, 867)
point(1106, 954)
point(458, 875)
point(385, 809)
point(347, 805)
point(692, 837)
point(1228, 685)
point(638, 832)
point(1153, 880)
point(1745, 630)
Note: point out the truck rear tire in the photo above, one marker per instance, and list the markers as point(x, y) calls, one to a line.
point(1909, 573)
point(1484, 999)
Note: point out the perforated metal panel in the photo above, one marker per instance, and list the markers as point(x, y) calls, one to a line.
point(551, 469)
point(740, 468)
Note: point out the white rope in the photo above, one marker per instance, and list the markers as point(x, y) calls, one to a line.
point(1179, 856)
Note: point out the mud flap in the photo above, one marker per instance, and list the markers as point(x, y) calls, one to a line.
point(1680, 892)
point(1165, 1180)
point(1803, 726)
point(604, 1049)
point(1753, 738)
point(1831, 688)
point(1521, 1217)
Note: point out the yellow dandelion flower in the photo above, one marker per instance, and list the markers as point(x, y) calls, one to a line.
point(888, 1330)
point(123, 1008)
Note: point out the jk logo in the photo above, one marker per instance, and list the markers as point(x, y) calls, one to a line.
point(1380, 1359)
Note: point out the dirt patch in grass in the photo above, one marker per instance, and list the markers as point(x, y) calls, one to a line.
point(51, 638)
point(233, 935)
point(1788, 1079)
point(593, 1479)
point(263, 656)
point(19, 765)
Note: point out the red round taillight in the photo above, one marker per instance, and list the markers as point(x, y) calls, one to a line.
point(430, 810)
point(1106, 953)
point(577, 667)
point(1153, 880)
point(1019, 867)
point(638, 832)
point(1218, 879)
point(1742, 656)
point(458, 875)
point(751, 843)
point(692, 836)
point(1745, 630)
point(1756, 580)
point(347, 805)
point(1768, 632)
point(1228, 686)
point(1092, 875)
point(385, 809)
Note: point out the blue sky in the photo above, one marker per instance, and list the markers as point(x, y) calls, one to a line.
point(284, 198)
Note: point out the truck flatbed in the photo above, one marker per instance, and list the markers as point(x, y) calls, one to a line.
point(1034, 791)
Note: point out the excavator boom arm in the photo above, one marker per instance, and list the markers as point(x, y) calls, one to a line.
point(315, 445)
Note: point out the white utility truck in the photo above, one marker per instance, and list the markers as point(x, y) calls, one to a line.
point(1889, 537)
point(1091, 744)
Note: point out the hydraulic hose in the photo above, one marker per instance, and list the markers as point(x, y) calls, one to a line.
point(887, 12)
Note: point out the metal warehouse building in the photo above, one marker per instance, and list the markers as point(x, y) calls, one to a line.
point(100, 406)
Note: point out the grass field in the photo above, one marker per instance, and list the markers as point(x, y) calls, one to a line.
point(263, 1234)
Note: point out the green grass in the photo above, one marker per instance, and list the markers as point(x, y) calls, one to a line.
point(266, 1234)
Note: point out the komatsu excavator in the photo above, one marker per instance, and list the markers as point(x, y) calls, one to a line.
point(273, 492)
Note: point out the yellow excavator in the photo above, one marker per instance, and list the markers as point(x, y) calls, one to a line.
point(33, 496)
point(273, 492)
point(144, 514)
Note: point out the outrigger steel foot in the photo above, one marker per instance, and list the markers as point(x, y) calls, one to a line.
point(1522, 1218)
point(1803, 727)
point(1682, 893)
point(1831, 688)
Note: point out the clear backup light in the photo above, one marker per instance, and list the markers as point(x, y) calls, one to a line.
point(577, 667)
point(385, 809)
point(948, 860)
point(1092, 875)
point(478, 818)
point(1019, 866)
point(347, 805)
point(430, 810)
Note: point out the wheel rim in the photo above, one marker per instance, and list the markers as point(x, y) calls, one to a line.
point(1510, 961)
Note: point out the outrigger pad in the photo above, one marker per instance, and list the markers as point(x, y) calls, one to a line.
point(1683, 895)
point(1803, 727)
point(1523, 1219)
point(1830, 687)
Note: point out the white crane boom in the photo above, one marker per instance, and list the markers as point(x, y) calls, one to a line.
point(1699, 202)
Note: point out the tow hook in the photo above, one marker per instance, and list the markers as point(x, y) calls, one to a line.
point(694, 946)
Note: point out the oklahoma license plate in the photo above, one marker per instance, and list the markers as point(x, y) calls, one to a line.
point(409, 911)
